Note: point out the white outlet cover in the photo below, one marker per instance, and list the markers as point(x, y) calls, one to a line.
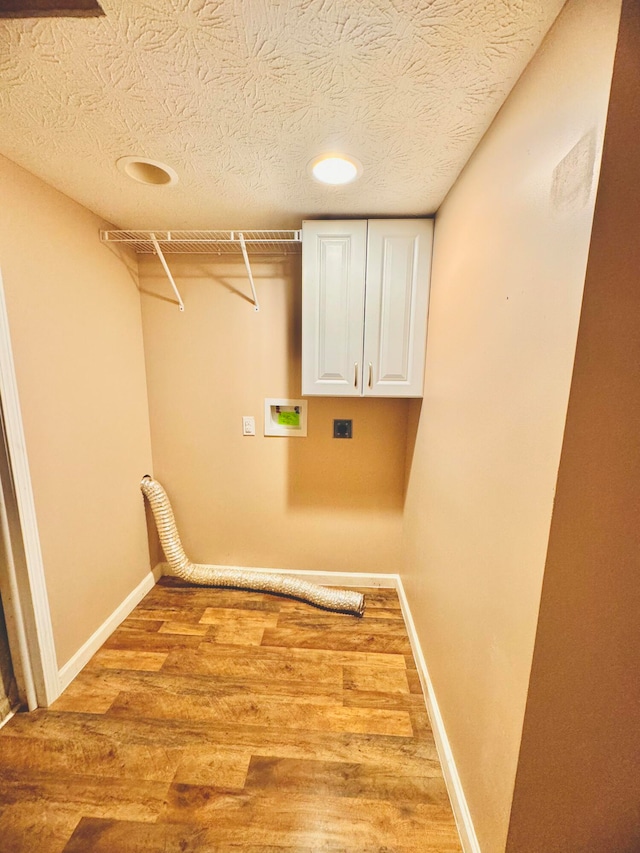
point(248, 425)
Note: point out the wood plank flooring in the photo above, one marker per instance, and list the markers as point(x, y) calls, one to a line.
point(221, 721)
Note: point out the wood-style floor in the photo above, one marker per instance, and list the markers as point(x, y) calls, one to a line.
point(219, 720)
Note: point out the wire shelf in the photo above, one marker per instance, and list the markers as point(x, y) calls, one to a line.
point(208, 242)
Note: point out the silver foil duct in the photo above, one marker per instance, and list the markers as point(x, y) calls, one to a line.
point(341, 600)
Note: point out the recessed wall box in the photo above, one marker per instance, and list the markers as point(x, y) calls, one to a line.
point(285, 417)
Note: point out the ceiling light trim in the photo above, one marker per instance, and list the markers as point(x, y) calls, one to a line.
point(335, 169)
point(151, 173)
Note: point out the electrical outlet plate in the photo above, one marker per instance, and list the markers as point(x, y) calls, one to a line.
point(342, 428)
point(248, 425)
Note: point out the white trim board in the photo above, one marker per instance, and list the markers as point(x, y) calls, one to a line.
point(9, 716)
point(379, 581)
point(84, 654)
point(32, 601)
point(452, 780)
point(466, 829)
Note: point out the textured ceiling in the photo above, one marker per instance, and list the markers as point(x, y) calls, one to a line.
point(238, 95)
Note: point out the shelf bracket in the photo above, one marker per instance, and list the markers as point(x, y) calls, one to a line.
point(243, 246)
point(160, 254)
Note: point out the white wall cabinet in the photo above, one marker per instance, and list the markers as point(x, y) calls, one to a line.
point(365, 294)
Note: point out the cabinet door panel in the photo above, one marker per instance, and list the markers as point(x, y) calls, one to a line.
point(398, 271)
point(333, 271)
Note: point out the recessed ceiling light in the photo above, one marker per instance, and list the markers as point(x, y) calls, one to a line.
point(145, 171)
point(335, 169)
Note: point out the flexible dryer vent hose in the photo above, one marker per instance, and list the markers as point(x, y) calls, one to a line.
point(343, 601)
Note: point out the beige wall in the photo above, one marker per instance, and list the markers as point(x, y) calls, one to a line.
point(308, 503)
point(511, 245)
point(578, 782)
point(74, 312)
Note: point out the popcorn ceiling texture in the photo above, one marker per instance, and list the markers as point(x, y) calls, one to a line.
point(238, 95)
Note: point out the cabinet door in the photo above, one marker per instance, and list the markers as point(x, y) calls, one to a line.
point(333, 271)
point(397, 297)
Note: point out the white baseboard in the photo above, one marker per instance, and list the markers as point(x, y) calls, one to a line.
point(347, 579)
point(84, 654)
point(461, 812)
point(378, 581)
point(6, 719)
point(69, 671)
point(466, 830)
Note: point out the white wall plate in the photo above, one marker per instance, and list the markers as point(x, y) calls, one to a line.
point(285, 417)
